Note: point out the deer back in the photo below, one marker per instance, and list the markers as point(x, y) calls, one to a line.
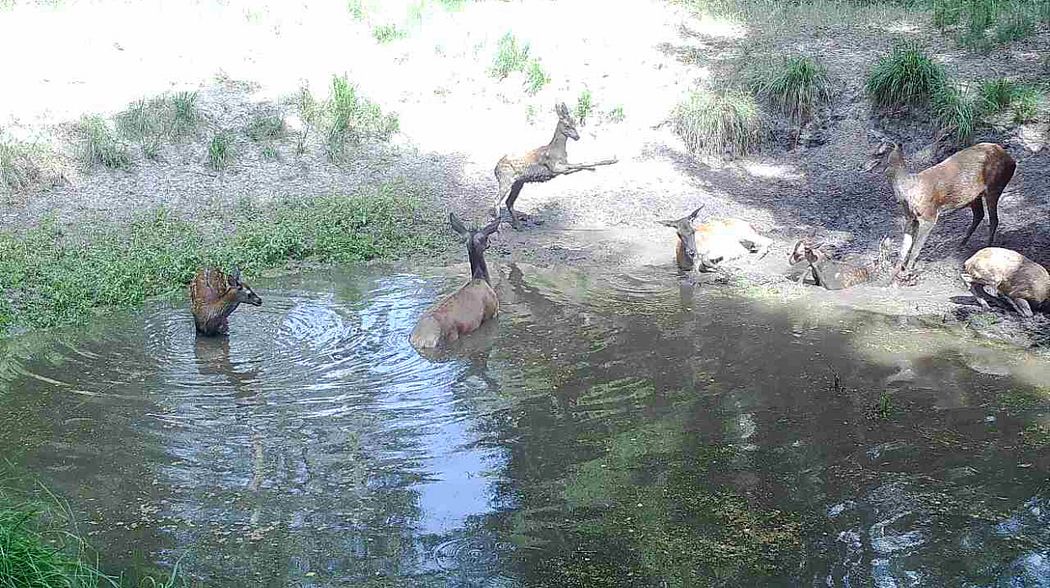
point(459, 314)
point(959, 179)
point(1011, 273)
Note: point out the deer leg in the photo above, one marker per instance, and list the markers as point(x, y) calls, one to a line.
point(921, 233)
point(906, 245)
point(504, 190)
point(1021, 306)
point(977, 206)
point(514, 191)
point(992, 196)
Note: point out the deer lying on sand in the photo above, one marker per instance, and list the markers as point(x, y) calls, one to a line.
point(1005, 274)
point(539, 165)
point(839, 275)
point(467, 308)
point(714, 242)
point(963, 179)
point(213, 298)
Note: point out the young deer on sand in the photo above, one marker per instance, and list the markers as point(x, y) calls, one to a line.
point(1005, 274)
point(466, 309)
point(963, 179)
point(539, 165)
point(714, 242)
point(839, 275)
point(213, 298)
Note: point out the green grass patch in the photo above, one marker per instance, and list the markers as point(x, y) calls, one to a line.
point(957, 111)
point(511, 55)
point(535, 78)
point(266, 127)
point(220, 151)
point(387, 33)
point(996, 95)
point(52, 275)
point(1025, 104)
point(344, 121)
point(979, 25)
point(907, 76)
point(797, 86)
point(101, 145)
point(719, 123)
point(616, 114)
point(584, 106)
point(24, 166)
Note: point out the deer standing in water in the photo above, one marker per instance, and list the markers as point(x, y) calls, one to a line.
point(714, 242)
point(467, 308)
point(539, 165)
point(213, 298)
point(839, 275)
point(1005, 274)
point(980, 171)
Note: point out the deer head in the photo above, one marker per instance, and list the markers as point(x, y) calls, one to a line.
point(887, 156)
point(477, 241)
point(566, 123)
point(686, 233)
point(242, 292)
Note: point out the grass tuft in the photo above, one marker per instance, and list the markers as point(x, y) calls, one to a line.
point(348, 119)
point(907, 76)
point(52, 276)
point(719, 123)
point(584, 106)
point(996, 95)
point(511, 56)
point(535, 78)
point(266, 127)
point(24, 166)
point(101, 145)
point(388, 33)
point(797, 86)
point(220, 151)
point(1025, 105)
point(957, 111)
point(616, 114)
point(184, 113)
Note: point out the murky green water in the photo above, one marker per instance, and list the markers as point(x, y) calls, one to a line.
point(605, 431)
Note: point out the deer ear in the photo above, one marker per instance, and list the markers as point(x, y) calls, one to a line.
point(457, 226)
point(561, 109)
point(492, 227)
point(669, 223)
point(234, 279)
point(692, 215)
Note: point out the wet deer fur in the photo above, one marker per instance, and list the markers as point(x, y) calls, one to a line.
point(975, 176)
point(1007, 275)
point(213, 298)
point(705, 246)
point(838, 275)
point(467, 308)
point(539, 165)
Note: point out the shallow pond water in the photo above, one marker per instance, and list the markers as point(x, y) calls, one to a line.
point(607, 430)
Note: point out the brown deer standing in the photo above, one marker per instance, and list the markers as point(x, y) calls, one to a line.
point(1005, 274)
point(539, 165)
point(982, 170)
point(839, 275)
point(467, 308)
point(213, 298)
point(714, 242)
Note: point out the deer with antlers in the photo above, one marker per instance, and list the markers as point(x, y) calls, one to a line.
point(539, 165)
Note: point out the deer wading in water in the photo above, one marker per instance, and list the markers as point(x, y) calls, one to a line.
point(704, 247)
point(539, 165)
point(1006, 274)
point(975, 176)
point(467, 308)
point(213, 298)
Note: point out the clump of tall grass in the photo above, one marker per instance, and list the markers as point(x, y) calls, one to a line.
point(220, 151)
point(266, 127)
point(584, 106)
point(797, 86)
point(1002, 94)
point(982, 23)
point(100, 144)
point(535, 77)
point(907, 76)
point(185, 116)
point(719, 123)
point(349, 119)
point(511, 55)
point(23, 166)
point(956, 110)
point(50, 275)
point(1025, 105)
point(386, 33)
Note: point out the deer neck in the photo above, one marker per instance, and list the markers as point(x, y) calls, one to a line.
point(478, 269)
point(223, 307)
point(898, 175)
point(556, 148)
